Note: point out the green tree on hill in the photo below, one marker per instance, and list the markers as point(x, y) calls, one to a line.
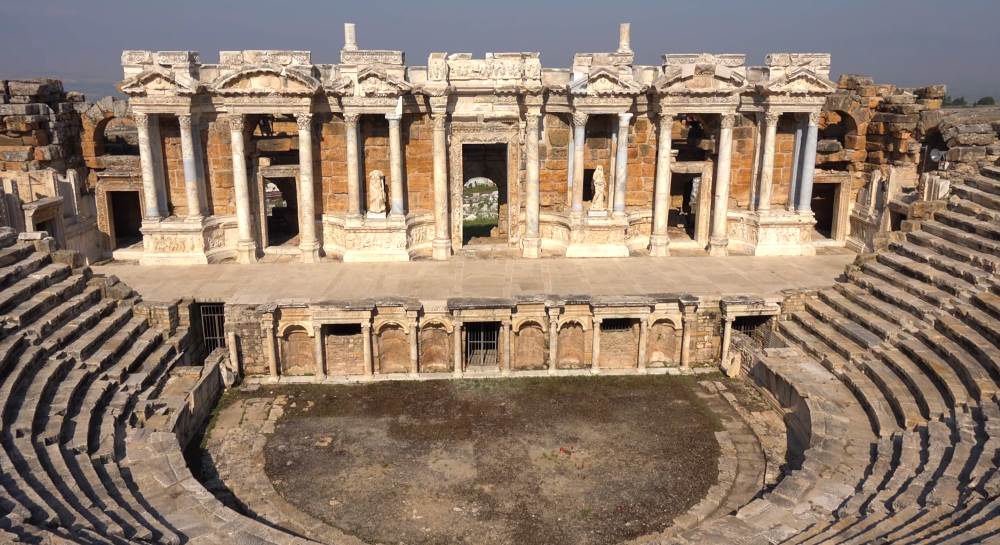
point(986, 101)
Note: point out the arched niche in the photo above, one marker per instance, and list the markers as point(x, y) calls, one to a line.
point(530, 349)
point(663, 348)
point(393, 349)
point(434, 348)
point(297, 356)
point(572, 346)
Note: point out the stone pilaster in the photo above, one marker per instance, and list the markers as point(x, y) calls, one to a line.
point(688, 321)
point(458, 366)
point(505, 331)
point(413, 333)
point(621, 165)
point(659, 240)
point(246, 247)
point(531, 244)
point(595, 349)
point(308, 242)
point(643, 339)
point(553, 344)
point(366, 340)
point(395, 165)
point(719, 241)
point(189, 160)
point(579, 147)
point(808, 164)
point(442, 240)
point(270, 344)
point(147, 162)
point(318, 353)
point(353, 166)
point(727, 335)
point(767, 162)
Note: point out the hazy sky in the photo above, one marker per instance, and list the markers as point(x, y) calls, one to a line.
point(906, 42)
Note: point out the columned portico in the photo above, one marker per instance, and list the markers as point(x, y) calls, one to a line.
point(767, 161)
point(189, 160)
point(659, 240)
point(308, 243)
point(793, 183)
point(531, 245)
point(621, 164)
point(441, 246)
point(579, 147)
point(353, 165)
point(395, 165)
point(808, 164)
point(719, 242)
point(246, 246)
point(150, 176)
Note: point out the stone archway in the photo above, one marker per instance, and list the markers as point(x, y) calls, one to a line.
point(393, 349)
point(530, 349)
point(297, 355)
point(664, 346)
point(435, 349)
point(572, 347)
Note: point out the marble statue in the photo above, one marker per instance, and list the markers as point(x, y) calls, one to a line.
point(376, 192)
point(600, 190)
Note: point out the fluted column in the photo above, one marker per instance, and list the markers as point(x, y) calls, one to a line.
point(246, 247)
point(531, 243)
point(414, 351)
point(308, 243)
point(767, 164)
point(643, 336)
point(366, 341)
point(442, 239)
point(595, 349)
point(395, 165)
point(621, 164)
point(505, 331)
point(189, 160)
point(579, 146)
point(808, 164)
point(353, 168)
point(687, 324)
point(553, 344)
point(148, 165)
point(659, 240)
point(719, 240)
point(318, 352)
point(457, 367)
point(793, 184)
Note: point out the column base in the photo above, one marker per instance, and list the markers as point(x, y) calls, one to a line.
point(718, 247)
point(441, 248)
point(659, 245)
point(309, 252)
point(531, 248)
point(246, 251)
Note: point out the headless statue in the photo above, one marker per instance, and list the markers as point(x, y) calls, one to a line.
point(600, 190)
point(376, 192)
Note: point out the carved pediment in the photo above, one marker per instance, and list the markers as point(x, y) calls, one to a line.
point(267, 80)
point(800, 81)
point(604, 82)
point(375, 82)
point(700, 79)
point(158, 82)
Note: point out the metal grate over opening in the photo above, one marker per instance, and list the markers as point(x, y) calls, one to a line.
point(481, 341)
point(213, 325)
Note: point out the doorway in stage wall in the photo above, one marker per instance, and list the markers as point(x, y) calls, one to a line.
point(681, 220)
point(281, 212)
point(824, 207)
point(484, 195)
point(126, 218)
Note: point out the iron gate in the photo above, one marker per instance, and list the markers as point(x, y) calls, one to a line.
point(481, 343)
point(213, 325)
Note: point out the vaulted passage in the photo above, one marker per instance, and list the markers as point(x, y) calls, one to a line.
point(484, 194)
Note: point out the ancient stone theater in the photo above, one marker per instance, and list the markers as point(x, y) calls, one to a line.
point(271, 301)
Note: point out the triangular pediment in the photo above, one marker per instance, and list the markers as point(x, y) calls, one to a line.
point(801, 81)
point(604, 82)
point(700, 79)
point(375, 82)
point(267, 80)
point(157, 81)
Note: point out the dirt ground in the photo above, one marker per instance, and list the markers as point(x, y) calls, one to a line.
point(581, 460)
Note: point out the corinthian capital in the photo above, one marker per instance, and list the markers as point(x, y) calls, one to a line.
point(439, 120)
point(814, 118)
point(728, 121)
point(237, 122)
point(141, 121)
point(351, 118)
point(184, 120)
point(304, 121)
point(580, 119)
point(771, 118)
point(531, 118)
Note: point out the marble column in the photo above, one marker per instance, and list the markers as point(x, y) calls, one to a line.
point(808, 164)
point(553, 345)
point(727, 334)
point(318, 352)
point(643, 336)
point(579, 147)
point(767, 163)
point(793, 184)
point(570, 171)
point(621, 164)
point(366, 341)
point(442, 238)
point(148, 165)
point(595, 350)
point(719, 241)
point(531, 245)
point(189, 160)
point(353, 166)
point(270, 345)
point(234, 354)
point(457, 366)
point(414, 352)
point(505, 329)
point(308, 243)
point(246, 246)
point(395, 165)
point(659, 240)
point(688, 322)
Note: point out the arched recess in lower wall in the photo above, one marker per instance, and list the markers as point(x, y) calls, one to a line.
point(393, 349)
point(434, 347)
point(572, 346)
point(530, 346)
point(664, 347)
point(297, 355)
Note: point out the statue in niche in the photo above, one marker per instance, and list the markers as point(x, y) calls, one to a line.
point(600, 189)
point(376, 192)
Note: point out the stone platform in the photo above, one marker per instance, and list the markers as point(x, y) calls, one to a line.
point(426, 280)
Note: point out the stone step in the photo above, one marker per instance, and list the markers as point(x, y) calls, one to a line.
point(892, 293)
point(975, 276)
point(991, 171)
point(920, 290)
point(989, 302)
point(972, 190)
point(55, 318)
point(875, 404)
point(843, 324)
point(971, 349)
point(926, 390)
point(873, 323)
point(941, 287)
point(968, 224)
point(798, 336)
point(31, 284)
point(937, 450)
point(863, 299)
point(907, 465)
point(118, 343)
point(833, 340)
point(983, 322)
point(955, 251)
point(973, 209)
point(92, 339)
point(959, 382)
point(17, 270)
point(18, 251)
point(964, 238)
point(902, 402)
point(46, 299)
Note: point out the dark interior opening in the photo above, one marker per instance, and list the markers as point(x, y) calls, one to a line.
point(823, 206)
point(616, 324)
point(484, 194)
point(281, 204)
point(126, 217)
point(683, 204)
point(481, 344)
point(588, 184)
point(342, 330)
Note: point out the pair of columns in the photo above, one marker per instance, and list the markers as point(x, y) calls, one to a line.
point(577, 159)
point(803, 162)
point(308, 241)
point(354, 208)
point(151, 162)
point(659, 240)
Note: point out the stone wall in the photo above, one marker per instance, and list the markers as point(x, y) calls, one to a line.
point(418, 162)
point(331, 171)
point(641, 162)
point(244, 322)
point(39, 126)
point(219, 167)
point(553, 154)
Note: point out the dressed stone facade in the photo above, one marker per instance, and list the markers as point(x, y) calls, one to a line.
point(701, 134)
